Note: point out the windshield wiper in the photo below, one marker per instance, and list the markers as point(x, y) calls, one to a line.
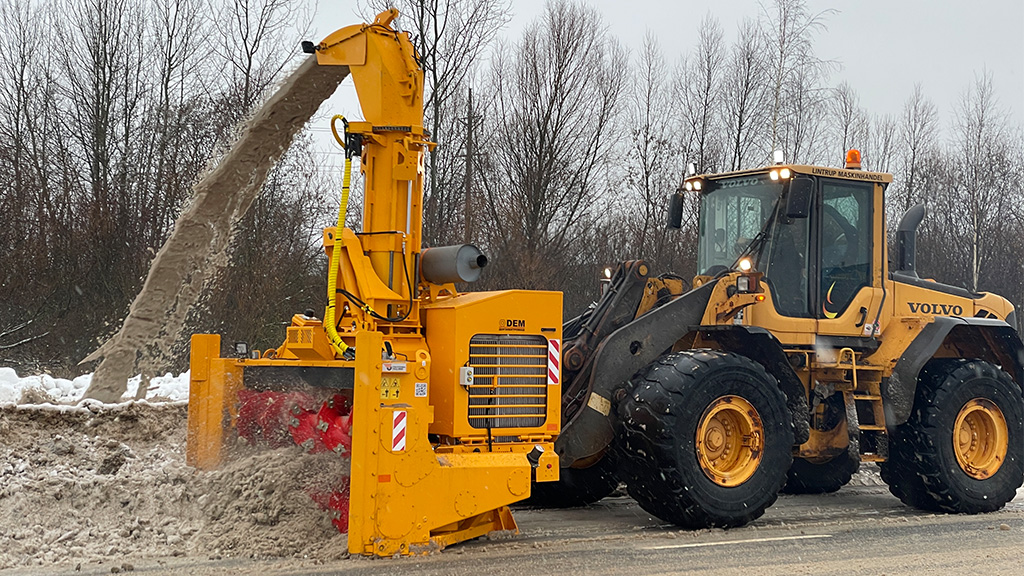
point(760, 237)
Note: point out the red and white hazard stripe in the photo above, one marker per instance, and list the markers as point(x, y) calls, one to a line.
point(554, 361)
point(399, 422)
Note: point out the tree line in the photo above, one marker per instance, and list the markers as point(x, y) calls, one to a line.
point(573, 144)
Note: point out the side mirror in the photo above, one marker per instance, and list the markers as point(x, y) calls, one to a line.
point(675, 210)
point(798, 203)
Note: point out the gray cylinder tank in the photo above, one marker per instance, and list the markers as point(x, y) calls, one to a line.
point(444, 264)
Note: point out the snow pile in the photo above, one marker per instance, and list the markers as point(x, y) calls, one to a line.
point(45, 389)
point(108, 484)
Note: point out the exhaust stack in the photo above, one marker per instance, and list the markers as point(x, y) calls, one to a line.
point(906, 240)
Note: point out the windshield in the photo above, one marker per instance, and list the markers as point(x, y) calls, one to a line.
point(732, 212)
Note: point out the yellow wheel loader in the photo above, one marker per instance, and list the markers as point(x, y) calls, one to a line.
point(446, 404)
point(798, 353)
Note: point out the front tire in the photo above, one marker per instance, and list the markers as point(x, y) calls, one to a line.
point(961, 449)
point(705, 439)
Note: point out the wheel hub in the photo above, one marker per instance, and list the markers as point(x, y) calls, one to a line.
point(980, 438)
point(730, 441)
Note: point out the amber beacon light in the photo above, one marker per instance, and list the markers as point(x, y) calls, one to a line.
point(853, 159)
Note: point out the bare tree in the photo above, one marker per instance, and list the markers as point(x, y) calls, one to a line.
point(172, 109)
point(745, 98)
point(654, 164)
point(851, 126)
point(450, 36)
point(804, 131)
point(919, 140)
point(789, 30)
point(18, 228)
point(699, 83)
point(984, 180)
point(101, 91)
point(250, 38)
point(39, 224)
point(880, 153)
point(10, 339)
point(554, 97)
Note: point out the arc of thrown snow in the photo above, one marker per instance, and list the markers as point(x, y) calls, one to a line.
point(198, 244)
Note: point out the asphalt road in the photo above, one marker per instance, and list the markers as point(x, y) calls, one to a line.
point(859, 530)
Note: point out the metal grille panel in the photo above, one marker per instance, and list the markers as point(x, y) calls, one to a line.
point(300, 335)
point(510, 383)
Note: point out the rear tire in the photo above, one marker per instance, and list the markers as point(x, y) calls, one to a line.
point(961, 449)
point(577, 486)
point(806, 477)
point(705, 439)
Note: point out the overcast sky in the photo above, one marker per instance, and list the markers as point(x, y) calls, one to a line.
point(884, 47)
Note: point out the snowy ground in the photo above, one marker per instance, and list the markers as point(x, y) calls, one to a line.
point(106, 485)
point(97, 488)
point(45, 389)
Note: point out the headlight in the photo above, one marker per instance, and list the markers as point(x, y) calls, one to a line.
point(743, 283)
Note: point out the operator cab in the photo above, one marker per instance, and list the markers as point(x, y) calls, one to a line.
point(810, 235)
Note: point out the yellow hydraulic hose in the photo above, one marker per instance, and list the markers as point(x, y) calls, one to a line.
point(330, 321)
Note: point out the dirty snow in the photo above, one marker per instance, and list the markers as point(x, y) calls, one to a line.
point(83, 482)
point(108, 484)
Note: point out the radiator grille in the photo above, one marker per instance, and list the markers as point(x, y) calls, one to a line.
point(509, 387)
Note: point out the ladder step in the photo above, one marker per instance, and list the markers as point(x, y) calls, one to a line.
point(849, 366)
point(866, 397)
point(872, 427)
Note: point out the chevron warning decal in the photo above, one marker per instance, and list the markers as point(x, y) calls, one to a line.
point(399, 421)
point(554, 361)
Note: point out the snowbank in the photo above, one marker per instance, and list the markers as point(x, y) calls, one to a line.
point(45, 389)
point(110, 485)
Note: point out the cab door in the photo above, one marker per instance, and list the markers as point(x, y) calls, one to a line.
point(788, 267)
point(848, 279)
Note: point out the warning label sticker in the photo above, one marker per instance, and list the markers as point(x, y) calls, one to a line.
point(390, 388)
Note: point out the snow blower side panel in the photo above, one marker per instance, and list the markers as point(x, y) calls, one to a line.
point(212, 406)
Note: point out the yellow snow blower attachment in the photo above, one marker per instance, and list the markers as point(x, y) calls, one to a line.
point(447, 404)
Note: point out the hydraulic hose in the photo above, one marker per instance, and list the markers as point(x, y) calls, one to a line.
point(330, 317)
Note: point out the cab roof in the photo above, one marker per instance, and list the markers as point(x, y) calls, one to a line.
point(826, 171)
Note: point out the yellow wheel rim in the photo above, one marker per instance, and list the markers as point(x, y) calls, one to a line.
point(730, 441)
point(980, 438)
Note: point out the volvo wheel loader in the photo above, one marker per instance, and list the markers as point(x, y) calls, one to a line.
point(445, 403)
point(799, 353)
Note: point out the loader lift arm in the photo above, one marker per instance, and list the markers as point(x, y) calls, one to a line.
point(626, 338)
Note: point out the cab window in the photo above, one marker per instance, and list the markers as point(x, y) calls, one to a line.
point(787, 268)
point(732, 213)
point(846, 233)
